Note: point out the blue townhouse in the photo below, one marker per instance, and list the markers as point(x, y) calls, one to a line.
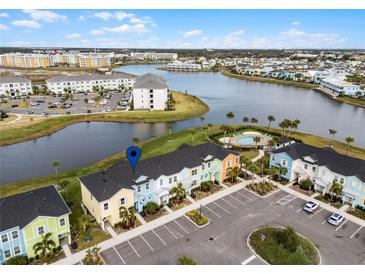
point(11, 243)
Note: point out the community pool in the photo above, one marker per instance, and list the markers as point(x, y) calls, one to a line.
point(245, 141)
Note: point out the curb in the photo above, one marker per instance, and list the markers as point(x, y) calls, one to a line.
point(198, 226)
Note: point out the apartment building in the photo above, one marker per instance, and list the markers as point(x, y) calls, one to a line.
point(20, 60)
point(154, 55)
point(150, 92)
point(338, 86)
point(94, 60)
point(185, 66)
point(14, 86)
point(89, 83)
point(27, 216)
point(105, 192)
point(323, 166)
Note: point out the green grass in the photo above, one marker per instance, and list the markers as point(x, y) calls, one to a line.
point(357, 213)
point(187, 106)
point(195, 216)
point(352, 101)
point(273, 253)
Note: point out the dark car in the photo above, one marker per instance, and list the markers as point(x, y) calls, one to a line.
point(88, 111)
point(68, 113)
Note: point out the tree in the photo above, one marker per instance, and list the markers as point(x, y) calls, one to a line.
point(256, 139)
point(44, 247)
point(273, 141)
point(169, 127)
point(201, 122)
point(84, 226)
point(178, 192)
point(348, 140)
point(288, 238)
point(282, 171)
point(230, 115)
point(233, 173)
point(294, 125)
point(245, 161)
point(128, 216)
point(209, 127)
point(3, 114)
point(17, 260)
point(284, 125)
point(92, 256)
point(273, 170)
point(245, 120)
point(336, 189)
point(332, 133)
point(254, 120)
point(306, 184)
point(56, 164)
point(271, 119)
point(63, 185)
point(135, 141)
point(254, 169)
point(185, 260)
point(151, 208)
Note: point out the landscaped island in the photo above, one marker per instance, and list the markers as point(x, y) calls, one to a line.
point(283, 246)
point(186, 107)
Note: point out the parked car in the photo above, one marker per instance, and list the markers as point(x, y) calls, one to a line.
point(14, 105)
point(88, 111)
point(34, 104)
point(68, 113)
point(30, 111)
point(44, 113)
point(310, 207)
point(335, 219)
point(108, 110)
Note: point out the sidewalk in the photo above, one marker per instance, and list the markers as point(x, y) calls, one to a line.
point(258, 157)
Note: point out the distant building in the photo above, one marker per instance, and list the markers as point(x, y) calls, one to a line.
point(20, 60)
point(92, 60)
point(339, 86)
point(13, 86)
point(150, 92)
point(184, 66)
point(154, 55)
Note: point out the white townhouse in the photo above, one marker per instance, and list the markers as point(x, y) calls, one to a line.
point(339, 86)
point(189, 66)
point(85, 83)
point(150, 92)
point(14, 86)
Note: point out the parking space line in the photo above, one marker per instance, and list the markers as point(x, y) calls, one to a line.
point(221, 207)
point(286, 200)
point(324, 221)
point(248, 260)
point(159, 237)
point(299, 210)
point(239, 192)
point(120, 257)
point(229, 203)
point(234, 198)
point(357, 231)
point(187, 232)
point(146, 242)
point(219, 216)
point(134, 249)
point(315, 213)
point(341, 225)
point(170, 231)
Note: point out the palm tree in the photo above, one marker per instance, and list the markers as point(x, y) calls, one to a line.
point(128, 216)
point(44, 247)
point(336, 189)
point(254, 169)
point(233, 173)
point(92, 256)
point(294, 125)
point(256, 139)
point(245, 161)
point(135, 141)
point(209, 127)
point(56, 164)
point(201, 122)
point(169, 126)
point(284, 125)
point(179, 192)
point(245, 120)
point(254, 120)
point(230, 115)
point(273, 141)
point(282, 171)
point(192, 136)
point(84, 226)
point(349, 140)
point(271, 119)
point(273, 170)
point(332, 133)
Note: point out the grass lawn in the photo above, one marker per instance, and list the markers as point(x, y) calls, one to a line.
point(199, 194)
point(176, 206)
point(272, 252)
point(158, 214)
point(250, 153)
point(352, 101)
point(187, 106)
point(303, 191)
point(261, 188)
point(120, 229)
point(10, 118)
point(335, 204)
point(357, 212)
point(197, 218)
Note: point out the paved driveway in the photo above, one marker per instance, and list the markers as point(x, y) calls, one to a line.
point(232, 219)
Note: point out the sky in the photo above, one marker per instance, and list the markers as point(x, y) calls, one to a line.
point(243, 29)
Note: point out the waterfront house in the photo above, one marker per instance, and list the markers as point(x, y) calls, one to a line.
point(27, 216)
point(338, 86)
point(323, 166)
point(105, 192)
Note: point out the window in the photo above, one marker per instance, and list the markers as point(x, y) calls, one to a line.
point(273, 158)
point(4, 238)
point(175, 178)
point(138, 188)
point(17, 250)
point(106, 206)
point(194, 172)
point(203, 166)
point(236, 160)
point(336, 178)
point(40, 230)
point(229, 163)
point(62, 222)
point(91, 196)
point(314, 169)
point(284, 162)
point(342, 180)
point(7, 254)
point(193, 183)
point(122, 201)
point(14, 234)
point(305, 166)
point(147, 186)
point(208, 165)
point(170, 180)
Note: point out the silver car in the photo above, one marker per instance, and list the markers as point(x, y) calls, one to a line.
point(335, 219)
point(310, 207)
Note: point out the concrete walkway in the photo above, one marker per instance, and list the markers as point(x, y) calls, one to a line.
point(66, 250)
point(140, 218)
point(111, 231)
point(258, 157)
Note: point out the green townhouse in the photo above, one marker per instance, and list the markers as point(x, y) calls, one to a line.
point(25, 217)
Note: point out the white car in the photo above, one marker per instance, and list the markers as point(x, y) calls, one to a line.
point(335, 219)
point(108, 110)
point(310, 207)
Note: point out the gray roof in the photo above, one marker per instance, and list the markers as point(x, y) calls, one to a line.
point(334, 161)
point(13, 79)
point(150, 81)
point(21, 209)
point(104, 185)
point(119, 75)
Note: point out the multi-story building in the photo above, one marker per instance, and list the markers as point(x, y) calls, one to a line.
point(14, 86)
point(154, 55)
point(89, 83)
point(26, 60)
point(339, 86)
point(323, 166)
point(105, 192)
point(185, 66)
point(26, 217)
point(150, 92)
point(92, 60)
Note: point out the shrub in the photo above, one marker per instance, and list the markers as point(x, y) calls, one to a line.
point(306, 184)
point(206, 186)
point(185, 260)
point(151, 208)
point(17, 260)
point(288, 239)
point(195, 216)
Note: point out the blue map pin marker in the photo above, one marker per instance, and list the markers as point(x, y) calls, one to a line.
point(133, 154)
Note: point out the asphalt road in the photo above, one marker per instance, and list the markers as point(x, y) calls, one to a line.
point(232, 219)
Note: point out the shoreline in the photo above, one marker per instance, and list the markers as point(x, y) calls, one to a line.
point(187, 71)
point(345, 100)
point(34, 130)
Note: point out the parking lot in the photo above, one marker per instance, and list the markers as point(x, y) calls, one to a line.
point(78, 104)
point(232, 219)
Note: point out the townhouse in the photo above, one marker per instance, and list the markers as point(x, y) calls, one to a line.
point(15, 86)
point(323, 166)
point(27, 216)
point(150, 92)
point(88, 83)
point(184, 66)
point(105, 192)
point(338, 86)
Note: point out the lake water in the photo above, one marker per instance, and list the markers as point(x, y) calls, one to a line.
point(84, 143)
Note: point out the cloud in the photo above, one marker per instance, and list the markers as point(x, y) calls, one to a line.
point(45, 15)
point(73, 35)
point(4, 14)
point(192, 33)
point(295, 23)
point(81, 18)
point(120, 15)
point(138, 28)
point(104, 15)
point(234, 39)
point(3, 27)
point(85, 41)
point(292, 32)
point(26, 23)
point(96, 32)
